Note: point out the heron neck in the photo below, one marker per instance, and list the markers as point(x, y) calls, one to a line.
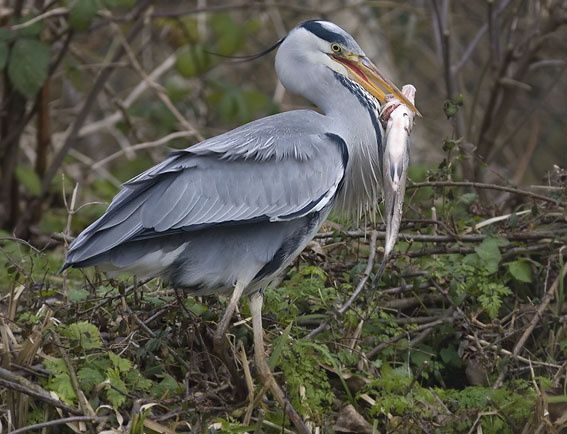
point(353, 114)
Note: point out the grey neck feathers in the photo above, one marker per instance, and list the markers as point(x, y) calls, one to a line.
point(361, 192)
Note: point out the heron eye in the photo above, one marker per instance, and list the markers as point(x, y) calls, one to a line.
point(336, 48)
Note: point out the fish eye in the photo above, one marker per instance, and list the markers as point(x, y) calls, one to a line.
point(336, 48)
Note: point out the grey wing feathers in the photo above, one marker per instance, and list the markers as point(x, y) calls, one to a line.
point(248, 174)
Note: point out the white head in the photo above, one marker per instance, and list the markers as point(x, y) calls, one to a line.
point(315, 48)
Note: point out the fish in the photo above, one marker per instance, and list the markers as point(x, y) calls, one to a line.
point(397, 120)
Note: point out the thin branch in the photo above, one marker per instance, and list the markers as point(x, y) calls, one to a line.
point(444, 250)
point(361, 285)
point(20, 384)
point(152, 84)
point(507, 353)
point(485, 186)
point(539, 313)
point(422, 327)
point(144, 145)
point(48, 14)
point(365, 276)
point(59, 422)
point(467, 238)
point(87, 106)
point(83, 402)
point(110, 120)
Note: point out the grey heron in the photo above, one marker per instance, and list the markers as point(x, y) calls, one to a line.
point(226, 215)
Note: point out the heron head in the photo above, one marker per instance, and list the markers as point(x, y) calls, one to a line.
point(322, 42)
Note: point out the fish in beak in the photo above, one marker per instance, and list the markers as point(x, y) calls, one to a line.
point(397, 115)
point(398, 120)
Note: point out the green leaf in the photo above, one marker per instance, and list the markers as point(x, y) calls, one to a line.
point(421, 355)
point(82, 13)
point(192, 60)
point(3, 54)
point(197, 308)
point(84, 335)
point(123, 365)
point(114, 396)
point(231, 34)
point(520, 270)
point(89, 377)
point(282, 340)
point(77, 295)
point(120, 3)
point(29, 179)
point(28, 66)
point(489, 252)
point(55, 365)
point(61, 384)
point(165, 388)
point(6, 35)
point(135, 380)
point(467, 198)
point(450, 356)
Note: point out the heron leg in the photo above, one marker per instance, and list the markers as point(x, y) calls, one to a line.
point(219, 338)
point(255, 302)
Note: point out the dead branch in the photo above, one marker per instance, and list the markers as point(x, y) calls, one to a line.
point(56, 422)
point(539, 313)
point(484, 186)
point(361, 285)
point(20, 384)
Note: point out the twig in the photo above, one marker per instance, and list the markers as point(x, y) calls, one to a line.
point(48, 14)
point(225, 7)
point(59, 422)
point(140, 146)
point(365, 276)
point(34, 391)
point(249, 383)
point(444, 250)
point(325, 324)
point(114, 297)
point(485, 186)
point(469, 238)
point(19, 240)
point(438, 322)
point(83, 403)
point(539, 313)
point(513, 236)
point(150, 333)
point(505, 352)
point(152, 84)
point(89, 101)
point(110, 120)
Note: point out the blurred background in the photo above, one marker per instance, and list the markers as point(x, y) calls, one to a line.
point(95, 91)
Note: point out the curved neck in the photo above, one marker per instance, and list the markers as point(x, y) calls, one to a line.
point(351, 113)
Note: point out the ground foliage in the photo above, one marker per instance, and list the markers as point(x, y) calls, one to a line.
point(465, 331)
point(434, 346)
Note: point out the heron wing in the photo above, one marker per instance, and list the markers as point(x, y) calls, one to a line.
point(259, 172)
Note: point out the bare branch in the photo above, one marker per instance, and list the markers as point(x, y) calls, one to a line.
point(56, 422)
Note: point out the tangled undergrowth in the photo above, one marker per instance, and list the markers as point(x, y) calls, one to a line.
point(465, 331)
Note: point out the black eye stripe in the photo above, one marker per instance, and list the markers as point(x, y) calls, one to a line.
point(317, 29)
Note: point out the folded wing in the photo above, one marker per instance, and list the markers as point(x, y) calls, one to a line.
point(249, 174)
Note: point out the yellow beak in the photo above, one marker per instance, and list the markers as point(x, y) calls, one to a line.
point(365, 73)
